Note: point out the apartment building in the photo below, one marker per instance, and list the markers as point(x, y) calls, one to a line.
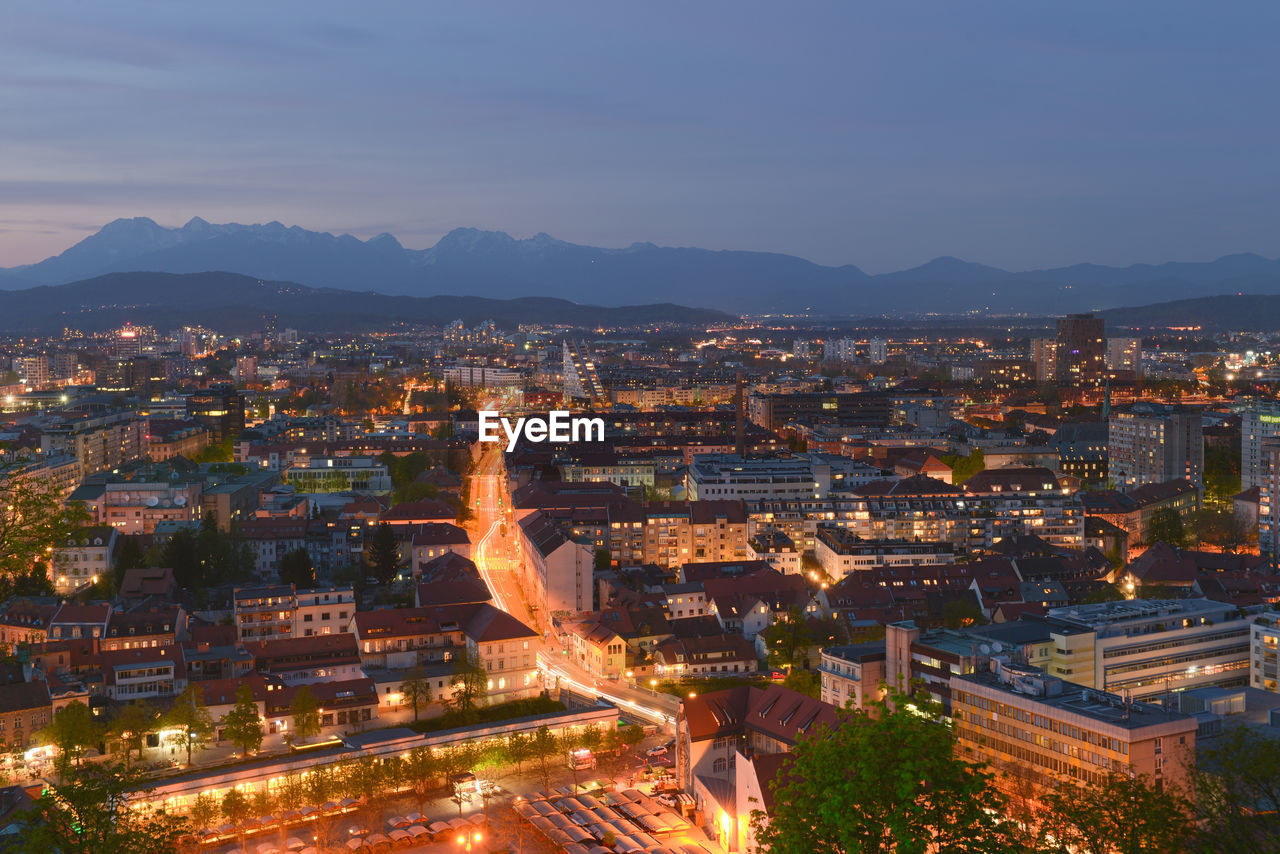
point(774, 548)
point(1153, 444)
point(852, 674)
point(99, 443)
point(323, 611)
point(25, 709)
point(308, 660)
point(85, 557)
point(1260, 422)
point(557, 570)
point(841, 552)
point(1013, 501)
point(263, 613)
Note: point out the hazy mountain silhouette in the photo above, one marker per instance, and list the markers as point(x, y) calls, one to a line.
point(235, 303)
point(494, 264)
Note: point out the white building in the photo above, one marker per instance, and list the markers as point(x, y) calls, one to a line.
point(839, 350)
point(878, 351)
point(1124, 354)
point(558, 570)
point(323, 611)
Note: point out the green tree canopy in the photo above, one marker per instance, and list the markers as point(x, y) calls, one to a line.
point(383, 553)
point(1166, 526)
point(130, 725)
point(305, 710)
point(33, 521)
point(296, 568)
point(72, 731)
point(243, 724)
point(190, 720)
point(417, 690)
point(1121, 815)
point(469, 681)
point(884, 779)
point(94, 811)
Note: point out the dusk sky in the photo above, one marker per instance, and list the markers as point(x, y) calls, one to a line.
point(1018, 134)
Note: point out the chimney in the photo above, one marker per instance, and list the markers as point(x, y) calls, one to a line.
point(739, 427)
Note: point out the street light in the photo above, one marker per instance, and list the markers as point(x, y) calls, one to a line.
point(467, 841)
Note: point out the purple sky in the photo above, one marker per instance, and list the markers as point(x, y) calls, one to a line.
point(1015, 134)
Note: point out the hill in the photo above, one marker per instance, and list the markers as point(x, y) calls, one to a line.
point(235, 303)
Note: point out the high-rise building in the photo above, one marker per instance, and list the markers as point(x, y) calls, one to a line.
point(128, 342)
point(580, 379)
point(1154, 444)
point(1260, 422)
point(1081, 350)
point(1044, 352)
point(1124, 354)
point(878, 351)
point(33, 370)
point(220, 408)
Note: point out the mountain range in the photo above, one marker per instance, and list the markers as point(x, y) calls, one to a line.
point(235, 303)
point(493, 264)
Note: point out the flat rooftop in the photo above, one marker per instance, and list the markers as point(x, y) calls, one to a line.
point(1090, 703)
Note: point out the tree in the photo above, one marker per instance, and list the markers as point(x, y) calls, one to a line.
point(130, 726)
point(1223, 529)
point(384, 553)
point(95, 811)
point(190, 720)
point(804, 682)
point(962, 612)
point(1122, 815)
point(421, 771)
point(544, 747)
point(74, 728)
point(1237, 785)
point(205, 811)
point(520, 749)
point(243, 724)
point(883, 779)
point(305, 710)
point(33, 521)
point(297, 569)
point(788, 639)
point(1166, 526)
point(236, 807)
point(570, 741)
point(469, 681)
point(417, 690)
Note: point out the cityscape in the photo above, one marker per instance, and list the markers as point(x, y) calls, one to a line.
point(314, 541)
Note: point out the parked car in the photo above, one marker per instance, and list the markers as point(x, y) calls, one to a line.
point(659, 750)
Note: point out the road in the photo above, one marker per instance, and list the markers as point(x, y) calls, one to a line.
point(497, 556)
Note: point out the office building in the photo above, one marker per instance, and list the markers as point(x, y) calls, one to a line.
point(1032, 728)
point(1081, 353)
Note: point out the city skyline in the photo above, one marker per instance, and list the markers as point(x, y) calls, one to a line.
point(1020, 138)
